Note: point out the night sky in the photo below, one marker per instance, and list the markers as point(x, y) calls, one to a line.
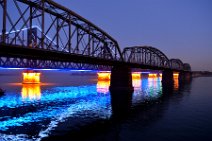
point(179, 28)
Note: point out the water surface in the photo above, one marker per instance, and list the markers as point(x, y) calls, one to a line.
point(79, 107)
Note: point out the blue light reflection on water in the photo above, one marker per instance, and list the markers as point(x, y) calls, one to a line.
point(149, 89)
point(56, 100)
point(56, 104)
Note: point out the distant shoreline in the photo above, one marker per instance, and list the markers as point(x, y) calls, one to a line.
point(201, 74)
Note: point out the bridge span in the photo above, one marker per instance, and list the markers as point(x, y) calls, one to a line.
point(44, 34)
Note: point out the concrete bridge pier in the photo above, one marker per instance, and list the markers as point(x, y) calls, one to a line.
point(121, 90)
point(167, 77)
point(121, 79)
point(181, 76)
point(185, 76)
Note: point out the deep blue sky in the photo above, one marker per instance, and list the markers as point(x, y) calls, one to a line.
point(180, 28)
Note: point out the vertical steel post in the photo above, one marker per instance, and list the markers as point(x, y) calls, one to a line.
point(30, 28)
point(89, 44)
point(150, 58)
point(116, 53)
point(31, 16)
point(145, 57)
point(93, 43)
point(69, 36)
point(77, 47)
point(57, 34)
point(4, 21)
point(142, 53)
point(43, 26)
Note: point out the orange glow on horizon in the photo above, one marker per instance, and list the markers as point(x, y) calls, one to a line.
point(31, 91)
point(31, 77)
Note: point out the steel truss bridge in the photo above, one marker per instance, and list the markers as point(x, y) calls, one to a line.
point(44, 34)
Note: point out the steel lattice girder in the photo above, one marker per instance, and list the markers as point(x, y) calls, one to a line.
point(57, 28)
point(176, 64)
point(186, 67)
point(14, 62)
point(145, 55)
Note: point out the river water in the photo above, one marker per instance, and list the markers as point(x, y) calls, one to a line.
point(78, 106)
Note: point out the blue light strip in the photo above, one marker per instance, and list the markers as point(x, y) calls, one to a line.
point(72, 70)
point(104, 71)
point(10, 68)
point(146, 72)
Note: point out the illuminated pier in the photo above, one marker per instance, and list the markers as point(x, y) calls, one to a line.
point(136, 75)
point(31, 77)
point(176, 80)
point(136, 80)
point(104, 76)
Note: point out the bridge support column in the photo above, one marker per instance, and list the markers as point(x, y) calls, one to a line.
point(185, 76)
point(181, 76)
point(121, 90)
point(4, 21)
point(188, 75)
point(121, 78)
point(167, 77)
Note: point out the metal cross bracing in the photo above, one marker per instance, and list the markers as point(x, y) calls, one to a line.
point(179, 65)
point(176, 64)
point(186, 67)
point(14, 62)
point(145, 55)
point(47, 25)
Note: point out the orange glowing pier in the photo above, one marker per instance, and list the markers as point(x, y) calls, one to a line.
point(31, 77)
point(104, 76)
point(136, 75)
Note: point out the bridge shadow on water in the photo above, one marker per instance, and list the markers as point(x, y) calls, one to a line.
point(127, 117)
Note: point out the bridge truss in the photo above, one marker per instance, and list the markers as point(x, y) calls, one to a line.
point(46, 25)
point(14, 62)
point(186, 67)
point(44, 34)
point(176, 64)
point(145, 55)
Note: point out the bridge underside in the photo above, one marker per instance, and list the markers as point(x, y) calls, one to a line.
point(25, 57)
point(12, 57)
point(11, 62)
